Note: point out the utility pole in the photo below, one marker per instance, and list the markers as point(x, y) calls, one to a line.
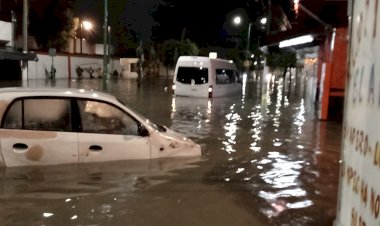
point(105, 46)
point(24, 67)
point(14, 23)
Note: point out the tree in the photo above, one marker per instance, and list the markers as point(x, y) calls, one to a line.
point(282, 60)
point(171, 50)
point(186, 47)
point(51, 23)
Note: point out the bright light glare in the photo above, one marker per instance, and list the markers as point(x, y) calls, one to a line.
point(296, 1)
point(213, 55)
point(268, 77)
point(245, 77)
point(296, 41)
point(237, 20)
point(47, 214)
point(263, 20)
point(87, 25)
point(173, 87)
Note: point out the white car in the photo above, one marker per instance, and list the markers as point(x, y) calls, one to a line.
point(49, 126)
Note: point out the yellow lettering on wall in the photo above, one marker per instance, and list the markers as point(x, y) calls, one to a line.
point(376, 159)
point(364, 193)
point(354, 217)
point(375, 204)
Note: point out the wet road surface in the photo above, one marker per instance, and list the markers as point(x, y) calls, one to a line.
point(268, 161)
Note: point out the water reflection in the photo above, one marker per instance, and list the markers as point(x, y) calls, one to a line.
point(87, 193)
point(269, 162)
point(191, 116)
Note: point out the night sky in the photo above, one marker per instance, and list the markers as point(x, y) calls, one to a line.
point(207, 23)
point(204, 22)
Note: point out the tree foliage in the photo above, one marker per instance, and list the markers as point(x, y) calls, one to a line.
point(51, 23)
point(171, 50)
point(282, 59)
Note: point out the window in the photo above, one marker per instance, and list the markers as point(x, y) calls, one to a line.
point(39, 114)
point(98, 117)
point(134, 67)
point(192, 75)
point(225, 76)
point(13, 119)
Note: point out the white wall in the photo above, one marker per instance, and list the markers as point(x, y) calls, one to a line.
point(6, 31)
point(126, 67)
point(359, 187)
point(65, 65)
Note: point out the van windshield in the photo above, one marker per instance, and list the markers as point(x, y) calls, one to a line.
point(195, 75)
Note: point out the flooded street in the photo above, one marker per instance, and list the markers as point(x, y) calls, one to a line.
point(268, 161)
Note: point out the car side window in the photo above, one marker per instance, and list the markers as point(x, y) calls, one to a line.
point(39, 114)
point(13, 118)
point(99, 117)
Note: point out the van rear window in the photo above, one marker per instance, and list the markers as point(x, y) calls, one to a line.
point(196, 75)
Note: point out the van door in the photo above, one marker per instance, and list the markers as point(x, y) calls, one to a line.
point(38, 132)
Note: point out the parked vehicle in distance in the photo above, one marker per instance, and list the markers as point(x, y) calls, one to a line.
point(205, 77)
point(49, 126)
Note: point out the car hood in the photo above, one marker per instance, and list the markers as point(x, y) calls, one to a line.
point(168, 143)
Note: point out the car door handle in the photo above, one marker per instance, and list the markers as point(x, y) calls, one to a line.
point(95, 148)
point(18, 147)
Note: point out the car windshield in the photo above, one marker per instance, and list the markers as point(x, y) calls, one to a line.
point(155, 126)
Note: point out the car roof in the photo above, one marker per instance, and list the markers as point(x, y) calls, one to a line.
point(62, 92)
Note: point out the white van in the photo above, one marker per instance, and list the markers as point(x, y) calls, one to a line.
point(205, 77)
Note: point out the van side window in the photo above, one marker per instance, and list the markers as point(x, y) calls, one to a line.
point(39, 114)
point(225, 76)
point(189, 75)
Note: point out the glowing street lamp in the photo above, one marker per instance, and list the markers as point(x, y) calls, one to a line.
point(86, 25)
point(237, 20)
point(264, 21)
point(296, 6)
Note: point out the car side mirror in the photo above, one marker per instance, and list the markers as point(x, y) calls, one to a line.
point(143, 131)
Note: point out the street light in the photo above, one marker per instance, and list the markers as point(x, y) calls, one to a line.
point(238, 20)
point(86, 25)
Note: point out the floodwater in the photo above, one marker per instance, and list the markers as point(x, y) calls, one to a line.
point(268, 161)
